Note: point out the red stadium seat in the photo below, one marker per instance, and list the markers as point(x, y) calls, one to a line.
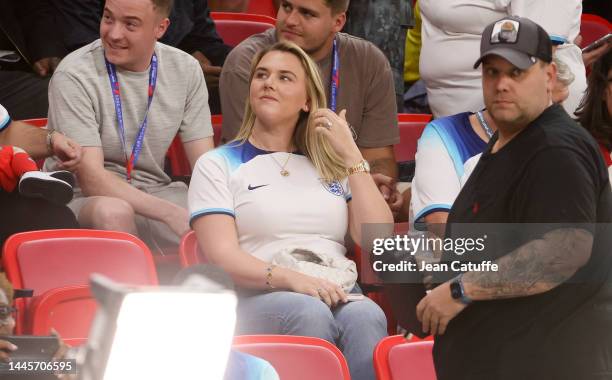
point(179, 164)
point(42, 122)
point(410, 126)
point(296, 357)
point(44, 260)
point(233, 28)
point(262, 7)
point(189, 252)
point(368, 278)
point(395, 358)
point(217, 121)
point(69, 310)
point(593, 27)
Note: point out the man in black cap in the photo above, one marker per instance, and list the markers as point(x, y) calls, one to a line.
point(543, 310)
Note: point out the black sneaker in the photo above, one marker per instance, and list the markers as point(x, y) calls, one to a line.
point(43, 185)
point(64, 175)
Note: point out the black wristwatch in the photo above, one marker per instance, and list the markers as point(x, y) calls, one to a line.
point(457, 291)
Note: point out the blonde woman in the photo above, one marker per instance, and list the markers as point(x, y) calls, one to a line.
point(292, 181)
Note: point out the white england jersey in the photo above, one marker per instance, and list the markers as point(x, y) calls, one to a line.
point(272, 212)
point(444, 161)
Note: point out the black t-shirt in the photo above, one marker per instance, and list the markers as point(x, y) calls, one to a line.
point(550, 173)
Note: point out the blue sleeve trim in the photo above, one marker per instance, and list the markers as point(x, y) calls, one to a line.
point(419, 218)
point(348, 198)
point(5, 122)
point(558, 40)
point(209, 211)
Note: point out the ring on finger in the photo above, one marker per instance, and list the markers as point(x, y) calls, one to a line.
point(328, 124)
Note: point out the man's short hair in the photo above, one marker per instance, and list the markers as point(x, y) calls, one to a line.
point(164, 7)
point(337, 6)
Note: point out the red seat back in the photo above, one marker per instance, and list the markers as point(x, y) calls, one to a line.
point(233, 28)
point(410, 127)
point(42, 122)
point(44, 260)
point(68, 310)
point(296, 357)
point(262, 7)
point(179, 164)
point(395, 358)
point(593, 27)
point(189, 252)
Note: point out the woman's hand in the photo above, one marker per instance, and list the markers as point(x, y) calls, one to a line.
point(326, 291)
point(6, 348)
point(339, 135)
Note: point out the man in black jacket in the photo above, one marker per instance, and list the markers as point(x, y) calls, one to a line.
point(30, 49)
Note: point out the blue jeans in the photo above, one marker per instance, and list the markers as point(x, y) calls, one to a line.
point(355, 327)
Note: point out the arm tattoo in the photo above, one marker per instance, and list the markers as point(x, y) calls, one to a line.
point(384, 166)
point(533, 268)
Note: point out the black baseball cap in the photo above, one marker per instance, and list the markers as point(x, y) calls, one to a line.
point(517, 39)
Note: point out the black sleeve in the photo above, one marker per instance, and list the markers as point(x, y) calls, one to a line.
point(38, 21)
point(203, 37)
point(560, 185)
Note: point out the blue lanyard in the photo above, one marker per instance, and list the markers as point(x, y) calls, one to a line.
point(335, 76)
point(137, 147)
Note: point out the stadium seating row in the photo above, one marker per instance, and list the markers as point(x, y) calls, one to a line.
point(235, 27)
point(62, 301)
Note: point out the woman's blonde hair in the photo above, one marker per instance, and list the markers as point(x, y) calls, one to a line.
point(6, 287)
point(314, 145)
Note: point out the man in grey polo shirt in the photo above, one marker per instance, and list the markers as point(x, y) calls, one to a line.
point(124, 98)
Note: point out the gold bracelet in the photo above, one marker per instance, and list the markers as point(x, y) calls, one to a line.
point(269, 275)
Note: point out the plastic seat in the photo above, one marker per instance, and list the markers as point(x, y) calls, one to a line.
point(372, 285)
point(49, 259)
point(233, 28)
point(69, 310)
point(179, 164)
point(262, 7)
point(410, 127)
point(42, 122)
point(296, 357)
point(189, 252)
point(395, 358)
point(593, 27)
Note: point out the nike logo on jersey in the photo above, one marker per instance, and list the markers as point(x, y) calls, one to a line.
point(257, 187)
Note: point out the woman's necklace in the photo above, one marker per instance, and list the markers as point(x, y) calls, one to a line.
point(283, 171)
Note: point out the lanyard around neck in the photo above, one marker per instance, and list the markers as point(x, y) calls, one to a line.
point(484, 124)
point(335, 76)
point(130, 161)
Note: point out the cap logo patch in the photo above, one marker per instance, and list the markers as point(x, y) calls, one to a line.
point(505, 32)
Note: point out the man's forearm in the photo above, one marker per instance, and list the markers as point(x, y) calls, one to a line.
point(384, 166)
point(381, 160)
point(104, 183)
point(533, 268)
